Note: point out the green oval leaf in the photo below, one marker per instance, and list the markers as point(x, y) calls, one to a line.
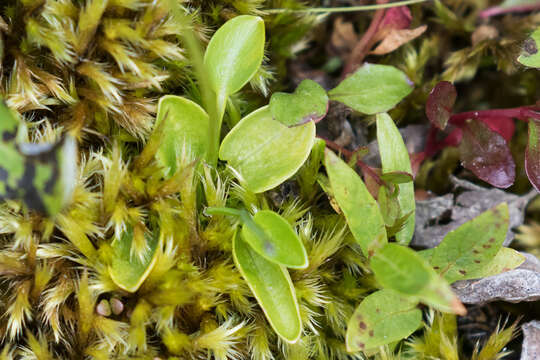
point(505, 260)
point(186, 124)
point(265, 152)
point(309, 102)
point(360, 209)
point(128, 270)
point(372, 89)
point(381, 318)
point(395, 159)
point(532, 154)
point(401, 269)
point(275, 239)
point(470, 247)
point(530, 56)
point(272, 287)
point(234, 54)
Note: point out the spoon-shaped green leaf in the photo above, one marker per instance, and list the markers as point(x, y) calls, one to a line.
point(127, 270)
point(272, 287)
point(275, 239)
point(309, 102)
point(234, 55)
point(381, 318)
point(360, 209)
point(470, 247)
point(400, 268)
point(264, 152)
point(372, 89)
point(395, 159)
point(186, 124)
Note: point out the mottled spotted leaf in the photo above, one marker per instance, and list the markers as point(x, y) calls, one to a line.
point(264, 152)
point(401, 269)
point(272, 237)
point(440, 103)
point(272, 286)
point(372, 89)
point(530, 56)
point(381, 318)
point(128, 270)
point(470, 247)
point(395, 159)
point(487, 155)
point(532, 154)
point(186, 125)
point(309, 102)
point(505, 260)
point(41, 175)
point(360, 209)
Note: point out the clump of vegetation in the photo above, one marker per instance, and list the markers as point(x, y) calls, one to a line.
point(206, 224)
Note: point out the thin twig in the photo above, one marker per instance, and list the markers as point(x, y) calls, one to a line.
point(346, 9)
point(498, 10)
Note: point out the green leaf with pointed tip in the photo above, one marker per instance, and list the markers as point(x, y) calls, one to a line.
point(265, 152)
point(272, 286)
point(505, 260)
point(360, 209)
point(470, 247)
point(274, 238)
point(309, 102)
point(529, 55)
point(372, 89)
point(234, 54)
point(186, 124)
point(381, 318)
point(395, 159)
point(401, 269)
point(127, 270)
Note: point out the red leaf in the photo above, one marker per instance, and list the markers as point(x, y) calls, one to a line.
point(487, 155)
point(396, 18)
point(440, 102)
point(532, 154)
point(503, 125)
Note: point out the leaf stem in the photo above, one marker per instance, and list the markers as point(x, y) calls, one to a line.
point(346, 9)
point(521, 113)
point(499, 10)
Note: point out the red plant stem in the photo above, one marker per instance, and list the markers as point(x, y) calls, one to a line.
point(367, 41)
point(521, 113)
point(497, 10)
point(366, 169)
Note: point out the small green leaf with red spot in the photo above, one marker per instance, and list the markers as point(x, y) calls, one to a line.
point(505, 260)
point(532, 154)
point(440, 103)
point(381, 318)
point(468, 249)
point(309, 102)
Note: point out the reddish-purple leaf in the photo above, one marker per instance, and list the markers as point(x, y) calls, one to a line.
point(440, 102)
point(503, 125)
point(396, 18)
point(532, 154)
point(487, 155)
